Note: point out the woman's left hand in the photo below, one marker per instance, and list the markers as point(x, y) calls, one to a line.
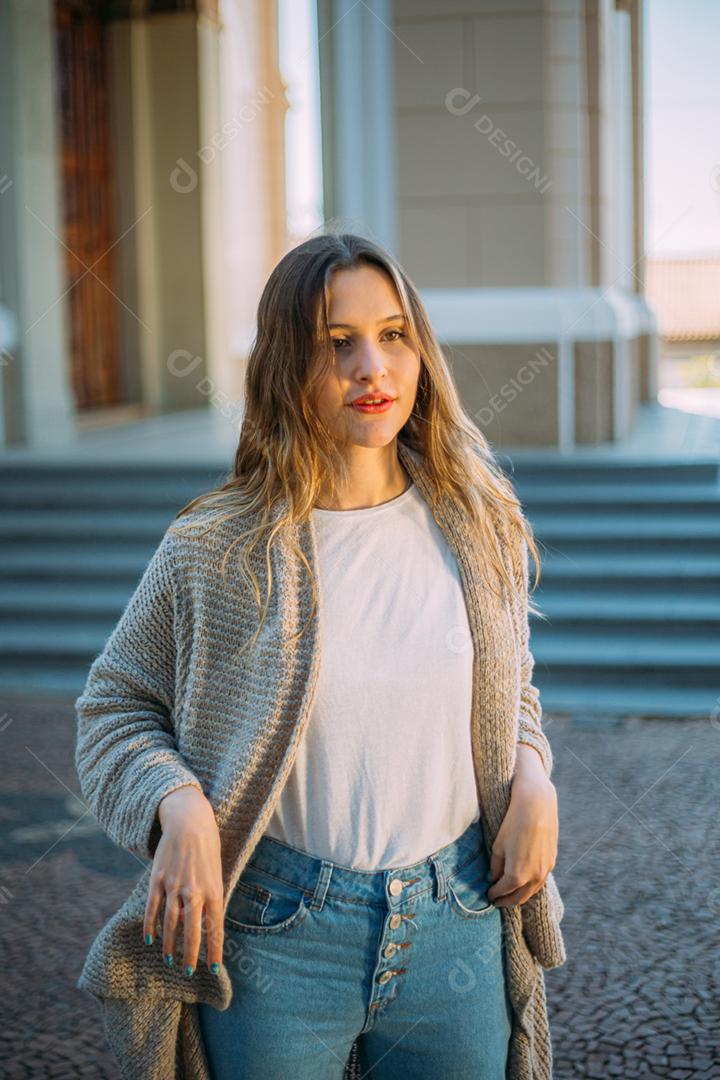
point(525, 848)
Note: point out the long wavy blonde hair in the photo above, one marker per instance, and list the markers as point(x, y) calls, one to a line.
point(284, 449)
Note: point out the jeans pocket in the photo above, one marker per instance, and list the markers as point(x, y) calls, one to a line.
point(264, 904)
point(468, 889)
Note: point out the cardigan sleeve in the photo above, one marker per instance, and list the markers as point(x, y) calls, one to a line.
point(530, 722)
point(126, 756)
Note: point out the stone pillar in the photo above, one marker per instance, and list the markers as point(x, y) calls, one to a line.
point(161, 122)
point(34, 390)
point(202, 163)
point(356, 92)
point(516, 193)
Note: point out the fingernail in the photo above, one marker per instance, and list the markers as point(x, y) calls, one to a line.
point(169, 959)
point(215, 968)
point(189, 969)
point(148, 939)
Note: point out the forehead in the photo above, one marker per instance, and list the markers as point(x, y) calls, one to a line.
point(364, 293)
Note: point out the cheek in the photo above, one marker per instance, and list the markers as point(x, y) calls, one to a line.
point(409, 368)
point(329, 398)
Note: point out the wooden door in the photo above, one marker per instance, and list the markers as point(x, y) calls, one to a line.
point(88, 222)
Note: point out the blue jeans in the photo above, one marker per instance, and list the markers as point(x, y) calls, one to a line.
point(407, 961)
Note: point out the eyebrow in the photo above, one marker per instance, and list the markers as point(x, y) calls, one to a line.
point(349, 326)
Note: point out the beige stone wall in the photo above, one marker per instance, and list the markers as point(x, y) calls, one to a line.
point(502, 386)
point(515, 163)
point(468, 214)
point(593, 391)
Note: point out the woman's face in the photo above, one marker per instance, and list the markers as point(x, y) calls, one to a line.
point(373, 356)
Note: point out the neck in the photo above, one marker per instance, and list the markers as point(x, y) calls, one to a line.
point(375, 476)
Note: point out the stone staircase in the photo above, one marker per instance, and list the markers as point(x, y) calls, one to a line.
point(630, 561)
point(75, 540)
point(630, 574)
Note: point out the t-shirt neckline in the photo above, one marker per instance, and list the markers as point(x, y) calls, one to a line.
point(366, 511)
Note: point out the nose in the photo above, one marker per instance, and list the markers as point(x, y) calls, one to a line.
point(370, 360)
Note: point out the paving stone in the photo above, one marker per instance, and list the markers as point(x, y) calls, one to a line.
point(637, 870)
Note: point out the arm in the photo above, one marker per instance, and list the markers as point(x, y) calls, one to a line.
point(126, 756)
point(530, 724)
point(529, 763)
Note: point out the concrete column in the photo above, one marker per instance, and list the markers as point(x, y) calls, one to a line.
point(515, 134)
point(203, 166)
point(36, 403)
point(158, 135)
point(356, 58)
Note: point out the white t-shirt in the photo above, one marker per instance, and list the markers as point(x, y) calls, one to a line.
point(384, 773)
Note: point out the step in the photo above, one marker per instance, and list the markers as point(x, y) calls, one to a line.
point(57, 601)
point(618, 540)
point(106, 564)
point(567, 525)
point(33, 645)
point(670, 606)
point(168, 494)
point(82, 526)
point(676, 498)
point(565, 651)
point(595, 631)
point(530, 466)
point(617, 699)
point(631, 566)
point(78, 472)
point(64, 682)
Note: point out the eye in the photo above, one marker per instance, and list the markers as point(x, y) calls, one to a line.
point(336, 341)
point(398, 332)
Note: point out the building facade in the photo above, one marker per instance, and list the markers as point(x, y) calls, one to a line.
point(497, 149)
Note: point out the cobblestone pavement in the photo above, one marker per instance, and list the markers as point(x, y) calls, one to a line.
point(638, 869)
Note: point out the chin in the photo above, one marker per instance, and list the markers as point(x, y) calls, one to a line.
point(374, 440)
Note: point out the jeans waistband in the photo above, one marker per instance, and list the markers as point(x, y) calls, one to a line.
point(325, 878)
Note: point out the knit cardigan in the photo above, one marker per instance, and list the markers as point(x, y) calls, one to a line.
point(169, 702)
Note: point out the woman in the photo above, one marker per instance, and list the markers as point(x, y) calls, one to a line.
point(348, 854)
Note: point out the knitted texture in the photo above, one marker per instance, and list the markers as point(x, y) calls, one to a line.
point(170, 701)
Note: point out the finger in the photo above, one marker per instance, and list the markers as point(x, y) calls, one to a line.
point(152, 910)
point(192, 931)
point(518, 895)
point(497, 864)
point(170, 924)
point(214, 929)
point(504, 886)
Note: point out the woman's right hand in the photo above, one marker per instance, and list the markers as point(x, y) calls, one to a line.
point(187, 876)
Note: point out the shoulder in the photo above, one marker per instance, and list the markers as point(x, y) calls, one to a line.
point(197, 543)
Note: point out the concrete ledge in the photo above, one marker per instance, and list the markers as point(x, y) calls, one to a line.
point(497, 316)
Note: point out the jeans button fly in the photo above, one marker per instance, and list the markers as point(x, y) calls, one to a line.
point(396, 887)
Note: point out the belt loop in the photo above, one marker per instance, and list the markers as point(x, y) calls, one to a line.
point(321, 885)
point(439, 876)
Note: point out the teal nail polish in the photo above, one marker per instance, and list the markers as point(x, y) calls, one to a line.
point(169, 959)
point(215, 968)
point(189, 969)
point(148, 939)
